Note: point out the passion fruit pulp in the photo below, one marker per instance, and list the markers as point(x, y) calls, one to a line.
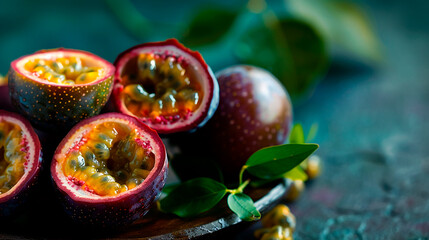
point(109, 169)
point(57, 88)
point(20, 161)
point(165, 85)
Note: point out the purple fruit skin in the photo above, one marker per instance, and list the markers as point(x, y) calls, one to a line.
point(254, 112)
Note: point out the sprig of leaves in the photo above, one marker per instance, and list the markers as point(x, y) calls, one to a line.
point(199, 195)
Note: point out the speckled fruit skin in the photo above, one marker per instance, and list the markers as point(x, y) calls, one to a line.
point(17, 195)
point(254, 111)
point(120, 210)
point(51, 106)
point(211, 94)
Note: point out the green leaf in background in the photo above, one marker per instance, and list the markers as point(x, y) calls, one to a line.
point(273, 162)
point(242, 205)
point(343, 23)
point(296, 174)
point(130, 18)
point(290, 49)
point(297, 134)
point(193, 197)
point(168, 188)
point(312, 132)
point(208, 26)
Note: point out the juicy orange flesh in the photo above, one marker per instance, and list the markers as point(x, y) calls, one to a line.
point(12, 155)
point(160, 89)
point(64, 70)
point(111, 159)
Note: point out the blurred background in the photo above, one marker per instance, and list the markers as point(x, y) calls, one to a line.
point(358, 69)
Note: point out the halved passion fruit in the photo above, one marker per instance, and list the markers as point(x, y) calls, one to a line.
point(20, 160)
point(166, 85)
point(109, 169)
point(60, 87)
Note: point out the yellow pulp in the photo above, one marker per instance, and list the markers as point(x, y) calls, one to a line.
point(12, 155)
point(161, 88)
point(110, 161)
point(64, 70)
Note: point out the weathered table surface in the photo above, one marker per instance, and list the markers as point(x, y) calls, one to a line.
point(373, 136)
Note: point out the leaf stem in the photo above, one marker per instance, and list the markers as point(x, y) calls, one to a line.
point(243, 185)
point(240, 187)
point(240, 178)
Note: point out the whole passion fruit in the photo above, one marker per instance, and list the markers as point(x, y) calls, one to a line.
point(20, 161)
point(109, 169)
point(57, 88)
point(254, 112)
point(166, 85)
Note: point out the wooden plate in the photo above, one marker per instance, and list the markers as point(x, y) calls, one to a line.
point(44, 218)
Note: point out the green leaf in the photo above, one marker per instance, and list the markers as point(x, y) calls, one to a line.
point(343, 23)
point(273, 162)
point(296, 174)
point(242, 205)
point(290, 49)
point(297, 134)
point(193, 197)
point(208, 25)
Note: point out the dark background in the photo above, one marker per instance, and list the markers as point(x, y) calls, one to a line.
point(373, 130)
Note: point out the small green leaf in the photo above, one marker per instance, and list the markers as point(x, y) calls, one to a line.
point(273, 162)
point(296, 174)
point(291, 49)
point(193, 197)
point(297, 134)
point(208, 26)
point(243, 206)
point(343, 23)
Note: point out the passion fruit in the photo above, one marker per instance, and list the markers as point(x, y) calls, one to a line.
point(165, 85)
point(20, 161)
point(109, 169)
point(254, 112)
point(57, 88)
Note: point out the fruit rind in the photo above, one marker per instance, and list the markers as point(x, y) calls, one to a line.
point(211, 87)
point(121, 209)
point(19, 193)
point(51, 105)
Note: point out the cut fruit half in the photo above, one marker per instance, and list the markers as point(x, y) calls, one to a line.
point(57, 88)
point(109, 169)
point(20, 160)
point(165, 85)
